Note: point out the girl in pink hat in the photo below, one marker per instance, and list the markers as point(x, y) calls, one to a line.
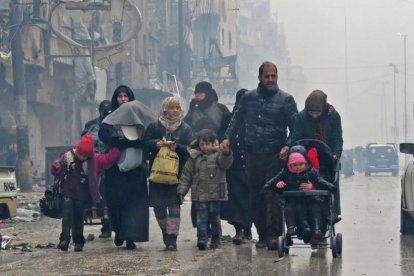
point(299, 174)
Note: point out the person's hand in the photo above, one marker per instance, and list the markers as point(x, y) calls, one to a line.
point(180, 198)
point(306, 186)
point(56, 165)
point(331, 187)
point(280, 184)
point(173, 146)
point(160, 144)
point(225, 142)
point(284, 153)
point(225, 147)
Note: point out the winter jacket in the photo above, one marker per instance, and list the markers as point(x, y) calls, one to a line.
point(183, 136)
point(293, 180)
point(205, 174)
point(92, 168)
point(207, 114)
point(266, 117)
point(329, 123)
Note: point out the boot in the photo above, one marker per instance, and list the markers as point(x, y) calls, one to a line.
point(202, 243)
point(261, 243)
point(215, 242)
point(272, 243)
point(247, 232)
point(117, 240)
point(130, 245)
point(78, 247)
point(172, 242)
point(317, 234)
point(306, 231)
point(165, 237)
point(238, 238)
point(63, 245)
point(106, 229)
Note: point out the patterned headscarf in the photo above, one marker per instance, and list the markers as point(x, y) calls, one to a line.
point(170, 124)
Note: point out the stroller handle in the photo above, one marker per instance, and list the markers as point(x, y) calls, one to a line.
point(306, 193)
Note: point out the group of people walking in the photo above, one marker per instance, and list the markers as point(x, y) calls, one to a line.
point(225, 158)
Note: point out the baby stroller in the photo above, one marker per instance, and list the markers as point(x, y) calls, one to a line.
point(329, 170)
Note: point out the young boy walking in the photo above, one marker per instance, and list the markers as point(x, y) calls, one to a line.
point(205, 173)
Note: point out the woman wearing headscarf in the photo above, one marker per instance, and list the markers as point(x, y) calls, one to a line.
point(319, 120)
point(126, 191)
point(122, 94)
point(237, 209)
point(169, 131)
point(205, 111)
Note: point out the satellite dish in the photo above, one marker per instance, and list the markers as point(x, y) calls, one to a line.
point(120, 12)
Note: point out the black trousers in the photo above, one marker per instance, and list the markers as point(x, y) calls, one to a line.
point(266, 209)
point(72, 220)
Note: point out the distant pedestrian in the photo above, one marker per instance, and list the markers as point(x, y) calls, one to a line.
point(205, 174)
point(79, 169)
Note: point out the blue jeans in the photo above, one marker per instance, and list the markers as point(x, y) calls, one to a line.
point(208, 212)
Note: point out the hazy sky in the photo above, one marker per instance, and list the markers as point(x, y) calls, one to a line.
point(317, 40)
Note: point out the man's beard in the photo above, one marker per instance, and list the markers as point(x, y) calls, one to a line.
point(270, 87)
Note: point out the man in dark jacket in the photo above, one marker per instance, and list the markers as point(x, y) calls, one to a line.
point(266, 113)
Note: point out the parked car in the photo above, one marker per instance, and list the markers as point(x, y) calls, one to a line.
point(8, 192)
point(381, 158)
point(407, 192)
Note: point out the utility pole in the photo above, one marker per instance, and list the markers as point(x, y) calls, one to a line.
point(395, 128)
point(404, 36)
point(180, 41)
point(24, 169)
point(117, 30)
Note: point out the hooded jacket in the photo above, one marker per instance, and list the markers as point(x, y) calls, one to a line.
point(205, 174)
point(266, 117)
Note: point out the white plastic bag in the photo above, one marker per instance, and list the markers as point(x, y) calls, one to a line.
point(131, 158)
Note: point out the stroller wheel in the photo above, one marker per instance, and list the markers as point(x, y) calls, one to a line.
point(280, 246)
point(334, 246)
point(339, 242)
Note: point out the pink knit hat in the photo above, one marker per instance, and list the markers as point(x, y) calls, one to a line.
point(296, 157)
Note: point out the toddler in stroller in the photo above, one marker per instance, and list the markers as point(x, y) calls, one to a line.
point(299, 174)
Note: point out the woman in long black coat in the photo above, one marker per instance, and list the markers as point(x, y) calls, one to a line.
point(126, 192)
point(237, 209)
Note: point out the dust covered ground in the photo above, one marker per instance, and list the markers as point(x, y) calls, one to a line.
point(35, 251)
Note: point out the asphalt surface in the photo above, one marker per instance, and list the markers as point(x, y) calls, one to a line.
point(372, 245)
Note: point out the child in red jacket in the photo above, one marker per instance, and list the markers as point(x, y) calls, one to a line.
point(79, 170)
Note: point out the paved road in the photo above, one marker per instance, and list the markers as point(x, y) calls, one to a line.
point(372, 245)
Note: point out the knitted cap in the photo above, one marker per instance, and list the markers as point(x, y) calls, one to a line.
point(204, 87)
point(85, 146)
point(296, 157)
point(316, 101)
